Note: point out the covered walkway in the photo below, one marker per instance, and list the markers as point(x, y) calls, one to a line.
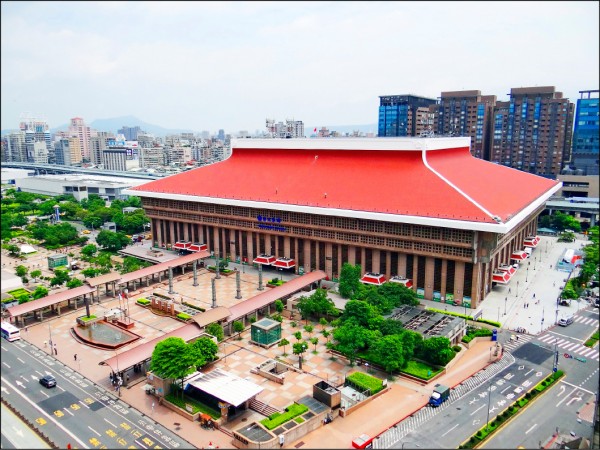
point(92, 285)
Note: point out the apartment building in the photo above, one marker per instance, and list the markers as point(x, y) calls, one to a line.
point(584, 156)
point(404, 115)
point(79, 129)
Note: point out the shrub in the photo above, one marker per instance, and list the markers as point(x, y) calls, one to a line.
point(184, 316)
point(294, 324)
point(143, 301)
point(457, 348)
point(489, 322)
point(365, 381)
point(466, 339)
point(292, 411)
point(194, 306)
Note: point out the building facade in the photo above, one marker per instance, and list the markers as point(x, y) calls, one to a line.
point(115, 159)
point(409, 207)
point(79, 129)
point(130, 133)
point(404, 115)
point(532, 131)
point(584, 157)
point(466, 113)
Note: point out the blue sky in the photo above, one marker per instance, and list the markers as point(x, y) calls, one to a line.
point(231, 65)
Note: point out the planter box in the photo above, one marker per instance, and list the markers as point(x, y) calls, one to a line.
point(85, 323)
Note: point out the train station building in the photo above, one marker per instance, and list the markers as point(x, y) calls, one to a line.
point(421, 209)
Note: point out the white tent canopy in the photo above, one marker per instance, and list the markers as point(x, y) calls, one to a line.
point(26, 249)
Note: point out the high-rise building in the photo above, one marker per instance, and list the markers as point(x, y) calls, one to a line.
point(62, 152)
point(79, 129)
point(532, 130)
point(466, 113)
point(404, 115)
point(130, 133)
point(37, 153)
point(584, 157)
point(115, 159)
point(36, 130)
point(221, 135)
point(97, 145)
point(152, 157)
point(290, 129)
point(15, 147)
point(76, 150)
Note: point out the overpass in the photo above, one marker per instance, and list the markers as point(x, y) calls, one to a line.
point(41, 169)
point(580, 207)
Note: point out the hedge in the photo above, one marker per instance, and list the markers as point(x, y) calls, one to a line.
point(143, 301)
point(183, 316)
point(194, 306)
point(366, 381)
point(196, 406)
point(276, 419)
point(450, 313)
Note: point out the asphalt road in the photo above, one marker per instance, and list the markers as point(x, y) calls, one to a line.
point(17, 434)
point(76, 411)
point(466, 411)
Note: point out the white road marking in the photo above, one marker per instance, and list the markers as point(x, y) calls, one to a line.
point(575, 388)
point(482, 406)
point(449, 430)
point(110, 423)
point(534, 425)
point(97, 434)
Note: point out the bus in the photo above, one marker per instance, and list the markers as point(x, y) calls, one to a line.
point(10, 332)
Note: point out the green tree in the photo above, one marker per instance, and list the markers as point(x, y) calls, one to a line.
point(23, 298)
point(436, 350)
point(349, 283)
point(326, 334)
point(90, 272)
point(13, 250)
point(389, 352)
point(112, 241)
point(314, 341)
point(216, 330)
point(283, 343)
point(74, 282)
point(317, 304)
point(203, 351)
point(298, 335)
point(323, 321)
point(299, 348)
point(131, 264)
point(397, 294)
point(39, 292)
point(279, 306)
point(171, 358)
point(309, 329)
point(21, 270)
point(360, 311)
point(352, 338)
point(238, 327)
point(36, 274)
point(104, 262)
point(89, 251)
point(61, 276)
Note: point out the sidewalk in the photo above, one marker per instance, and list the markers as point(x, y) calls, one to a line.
point(403, 399)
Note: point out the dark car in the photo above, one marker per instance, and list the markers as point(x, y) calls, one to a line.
point(48, 381)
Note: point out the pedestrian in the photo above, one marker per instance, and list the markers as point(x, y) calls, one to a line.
point(75, 356)
point(55, 350)
point(517, 337)
point(509, 290)
point(534, 295)
point(45, 344)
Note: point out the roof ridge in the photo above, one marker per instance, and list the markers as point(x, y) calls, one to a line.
point(453, 186)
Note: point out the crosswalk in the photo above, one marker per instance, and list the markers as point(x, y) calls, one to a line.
point(411, 423)
point(593, 321)
point(571, 347)
point(511, 346)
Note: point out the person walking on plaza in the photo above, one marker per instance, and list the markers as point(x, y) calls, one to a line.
point(75, 356)
point(55, 350)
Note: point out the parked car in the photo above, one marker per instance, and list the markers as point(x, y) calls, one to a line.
point(86, 231)
point(48, 380)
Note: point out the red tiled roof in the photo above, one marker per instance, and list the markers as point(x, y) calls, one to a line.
point(36, 305)
point(144, 351)
point(397, 177)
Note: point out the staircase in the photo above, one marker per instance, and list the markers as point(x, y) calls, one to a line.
point(263, 408)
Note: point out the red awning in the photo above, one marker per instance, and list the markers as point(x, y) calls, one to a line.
point(519, 255)
point(197, 247)
point(531, 241)
point(508, 269)
point(373, 278)
point(405, 281)
point(284, 263)
point(264, 259)
point(182, 245)
point(500, 277)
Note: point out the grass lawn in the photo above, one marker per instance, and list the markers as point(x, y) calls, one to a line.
point(18, 292)
point(420, 370)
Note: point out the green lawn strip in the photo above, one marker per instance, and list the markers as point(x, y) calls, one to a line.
point(143, 301)
point(86, 318)
point(420, 370)
point(505, 416)
point(592, 339)
point(366, 381)
point(291, 412)
point(196, 405)
point(16, 293)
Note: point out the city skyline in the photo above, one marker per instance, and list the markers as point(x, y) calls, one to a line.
point(238, 63)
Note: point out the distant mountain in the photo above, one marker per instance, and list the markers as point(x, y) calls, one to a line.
point(116, 123)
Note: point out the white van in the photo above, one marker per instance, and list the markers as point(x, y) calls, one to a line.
point(528, 251)
point(565, 321)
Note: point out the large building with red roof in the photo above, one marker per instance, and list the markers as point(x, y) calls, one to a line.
point(418, 208)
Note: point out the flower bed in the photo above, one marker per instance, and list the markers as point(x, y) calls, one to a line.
point(291, 412)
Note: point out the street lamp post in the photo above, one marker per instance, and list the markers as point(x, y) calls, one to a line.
point(526, 274)
point(505, 300)
point(489, 403)
point(517, 290)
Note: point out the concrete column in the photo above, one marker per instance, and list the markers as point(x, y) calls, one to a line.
point(260, 279)
point(329, 259)
point(147, 281)
point(363, 259)
point(388, 265)
point(195, 269)
point(296, 255)
point(315, 263)
point(186, 231)
point(171, 291)
point(238, 285)
point(307, 258)
point(429, 275)
point(459, 277)
point(375, 261)
point(286, 247)
point(214, 293)
point(351, 254)
point(250, 246)
point(216, 240)
point(444, 280)
point(173, 236)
